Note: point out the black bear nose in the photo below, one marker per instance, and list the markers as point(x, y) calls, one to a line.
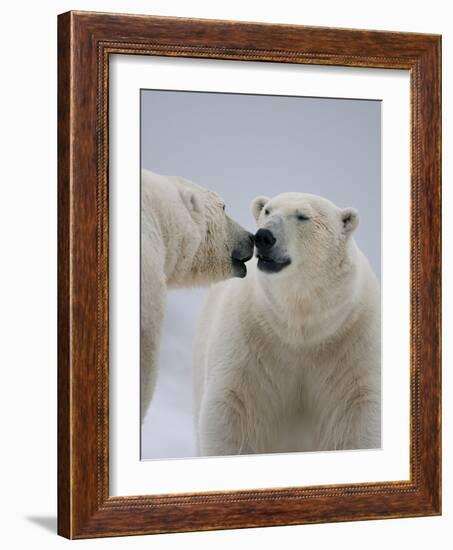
point(264, 239)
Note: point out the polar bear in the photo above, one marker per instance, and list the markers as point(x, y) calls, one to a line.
point(288, 359)
point(187, 240)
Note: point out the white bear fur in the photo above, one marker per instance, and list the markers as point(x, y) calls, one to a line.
point(290, 361)
point(187, 240)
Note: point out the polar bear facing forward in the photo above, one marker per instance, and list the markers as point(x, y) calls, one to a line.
point(288, 359)
point(187, 240)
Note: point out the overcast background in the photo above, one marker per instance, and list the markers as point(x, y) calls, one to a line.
point(242, 146)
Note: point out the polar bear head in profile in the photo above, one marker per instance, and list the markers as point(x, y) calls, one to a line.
point(301, 234)
point(186, 227)
point(220, 245)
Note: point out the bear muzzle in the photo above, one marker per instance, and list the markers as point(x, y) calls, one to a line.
point(269, 259)
point(264, 240)
point(241, 254)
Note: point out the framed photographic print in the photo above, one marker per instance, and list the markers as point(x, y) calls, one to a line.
point(249, 275)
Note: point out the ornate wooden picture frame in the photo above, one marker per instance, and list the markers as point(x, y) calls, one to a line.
point(85, 42)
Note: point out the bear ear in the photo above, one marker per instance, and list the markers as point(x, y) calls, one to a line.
point(350, 219)
point(190, 199)
point(257, 205)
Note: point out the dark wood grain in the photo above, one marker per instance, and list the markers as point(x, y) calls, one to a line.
point(85, 42)
point(64, 367)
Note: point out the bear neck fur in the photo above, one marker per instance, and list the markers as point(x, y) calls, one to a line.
point(312, 313)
